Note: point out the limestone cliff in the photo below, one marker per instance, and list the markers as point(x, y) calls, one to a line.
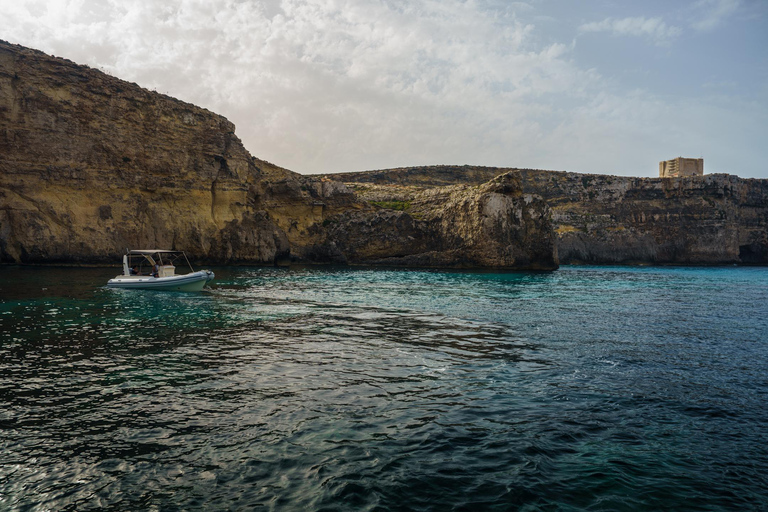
point(711, 219)
point(493, 225)
point(90, 165)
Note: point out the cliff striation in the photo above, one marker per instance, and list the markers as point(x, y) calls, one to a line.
point(494, 225)
point(90, 165)
point(711, 219)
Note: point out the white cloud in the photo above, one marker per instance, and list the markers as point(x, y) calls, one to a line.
point(341, 85)
point(712, 13)
point(323, 85)
point(654, 28)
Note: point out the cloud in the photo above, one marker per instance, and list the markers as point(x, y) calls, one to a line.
point(654, 28)
point(711, 13)
point(319, 85)
point(342, 85)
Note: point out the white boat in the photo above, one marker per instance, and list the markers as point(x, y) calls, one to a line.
point(155, 269)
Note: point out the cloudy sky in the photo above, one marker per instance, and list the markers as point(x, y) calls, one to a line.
point(603, 86)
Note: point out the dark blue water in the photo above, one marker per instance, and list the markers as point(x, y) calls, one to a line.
point(588, 388)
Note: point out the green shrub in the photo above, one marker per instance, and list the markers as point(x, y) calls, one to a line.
point(394, 205)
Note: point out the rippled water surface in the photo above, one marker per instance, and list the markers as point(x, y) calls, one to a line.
point(349, 389)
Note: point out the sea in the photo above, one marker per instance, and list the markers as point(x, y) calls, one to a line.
point(357, 389)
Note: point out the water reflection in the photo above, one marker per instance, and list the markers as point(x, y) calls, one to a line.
point(356, 389)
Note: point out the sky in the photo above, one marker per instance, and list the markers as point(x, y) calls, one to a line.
point(324, 86)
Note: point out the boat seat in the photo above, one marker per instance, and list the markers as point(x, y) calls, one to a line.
point(166, 271)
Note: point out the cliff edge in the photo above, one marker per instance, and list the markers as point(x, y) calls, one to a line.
point(711, 219)
point(91, 165)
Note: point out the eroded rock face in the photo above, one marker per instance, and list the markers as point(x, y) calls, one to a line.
point(91, 165)
point(711, 219)
point(495, 225)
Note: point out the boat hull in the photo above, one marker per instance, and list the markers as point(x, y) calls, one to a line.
point(193, 282)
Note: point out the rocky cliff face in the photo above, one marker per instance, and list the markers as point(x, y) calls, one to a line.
point(90, 165)
point(494, 225)
point(713, 219)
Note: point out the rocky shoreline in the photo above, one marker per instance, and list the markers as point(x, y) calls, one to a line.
point(716, 219)
point(91, 164)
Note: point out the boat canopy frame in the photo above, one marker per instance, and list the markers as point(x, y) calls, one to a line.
point(146, 255)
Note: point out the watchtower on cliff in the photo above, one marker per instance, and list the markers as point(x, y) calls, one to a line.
point(681, 167)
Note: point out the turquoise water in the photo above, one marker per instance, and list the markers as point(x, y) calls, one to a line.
point(598, 388)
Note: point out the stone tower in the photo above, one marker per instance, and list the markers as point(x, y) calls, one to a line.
point(681, 167)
